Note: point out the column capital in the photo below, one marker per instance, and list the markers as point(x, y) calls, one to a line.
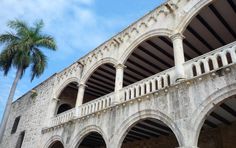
point(177, 36)
point(120, 66)
point(81, 85)
point(56, 99)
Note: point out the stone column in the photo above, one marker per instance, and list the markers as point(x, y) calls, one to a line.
point(52, 110)
point(80, 95)
point(54, 105)
point(118, 81)
point(187, 135)
point(177, 40)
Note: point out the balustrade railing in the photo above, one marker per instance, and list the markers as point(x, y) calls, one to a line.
point(96, 105)
point(213, 60)
point(63, 117)
point(148, 85)
point(200, 65)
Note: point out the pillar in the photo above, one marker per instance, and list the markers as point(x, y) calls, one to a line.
point(118, 81)
point(52, 110)
point(177, 40)
point(80, 95)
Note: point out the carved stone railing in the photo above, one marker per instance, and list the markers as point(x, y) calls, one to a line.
point(86, 109)
point(96, 105)
point(151, 84)
point(211, 61)
point(63, 117)
point(143, 87)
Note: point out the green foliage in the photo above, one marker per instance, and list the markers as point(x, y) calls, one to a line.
point(23, 48)
point(34, 94)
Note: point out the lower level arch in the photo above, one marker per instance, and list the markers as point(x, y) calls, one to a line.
point(210, 104)
point(85, 132)
point(145, 114)
point(53, 140)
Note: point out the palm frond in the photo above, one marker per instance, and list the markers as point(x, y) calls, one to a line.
point(6, 58)
point(17, 24)
point(20, 26)
point(46, 41)
point(8, 38)
point(39, 63)
point(38, 26)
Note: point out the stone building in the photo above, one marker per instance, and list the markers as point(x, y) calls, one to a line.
point(168, 80)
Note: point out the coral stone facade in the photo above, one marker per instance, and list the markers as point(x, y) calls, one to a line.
point(168, 80)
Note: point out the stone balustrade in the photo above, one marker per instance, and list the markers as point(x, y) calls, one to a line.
point(63, 117)
point(206, 63)
point(211, 61)
point(148, 85)
point(96, 105)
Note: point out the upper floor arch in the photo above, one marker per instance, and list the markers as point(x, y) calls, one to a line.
point(63, 86)
point(196, 7)
point(66, 96)
point(91, 69)
point(98, 80)
point(145, 36)
point(148, 55)
point(206, 26)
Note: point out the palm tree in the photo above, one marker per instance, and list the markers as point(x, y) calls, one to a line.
point(22, 49)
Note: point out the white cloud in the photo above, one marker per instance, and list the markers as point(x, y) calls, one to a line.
point(73, 23)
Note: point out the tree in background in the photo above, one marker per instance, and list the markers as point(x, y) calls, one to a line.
point(23, 49)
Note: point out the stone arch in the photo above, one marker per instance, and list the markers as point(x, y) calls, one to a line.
point(191, 14)
point(207, 106)
point(133, 119)
point(52, 140)
point(64, 84)
point(143, 37)
point(84, 132)
point(86, 74)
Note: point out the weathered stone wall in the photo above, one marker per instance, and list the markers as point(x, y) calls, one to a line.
point(33, 112)
point(178, 106)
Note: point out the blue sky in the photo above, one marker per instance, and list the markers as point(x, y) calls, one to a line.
point(77, 25)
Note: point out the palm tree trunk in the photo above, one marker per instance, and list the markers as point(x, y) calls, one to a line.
point(9, 102)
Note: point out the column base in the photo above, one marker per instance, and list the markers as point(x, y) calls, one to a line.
point(180, 79)
point(114, 103)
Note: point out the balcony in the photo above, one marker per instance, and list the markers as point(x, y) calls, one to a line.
point(204, 64)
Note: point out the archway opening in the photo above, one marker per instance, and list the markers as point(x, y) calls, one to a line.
point(56, 144)
point(67, 98)
point(151, 133)
point(219, 128)
point(100, 82)
point(62, 108)
point(211, 28)
point(150, 57)
point(93, 140)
